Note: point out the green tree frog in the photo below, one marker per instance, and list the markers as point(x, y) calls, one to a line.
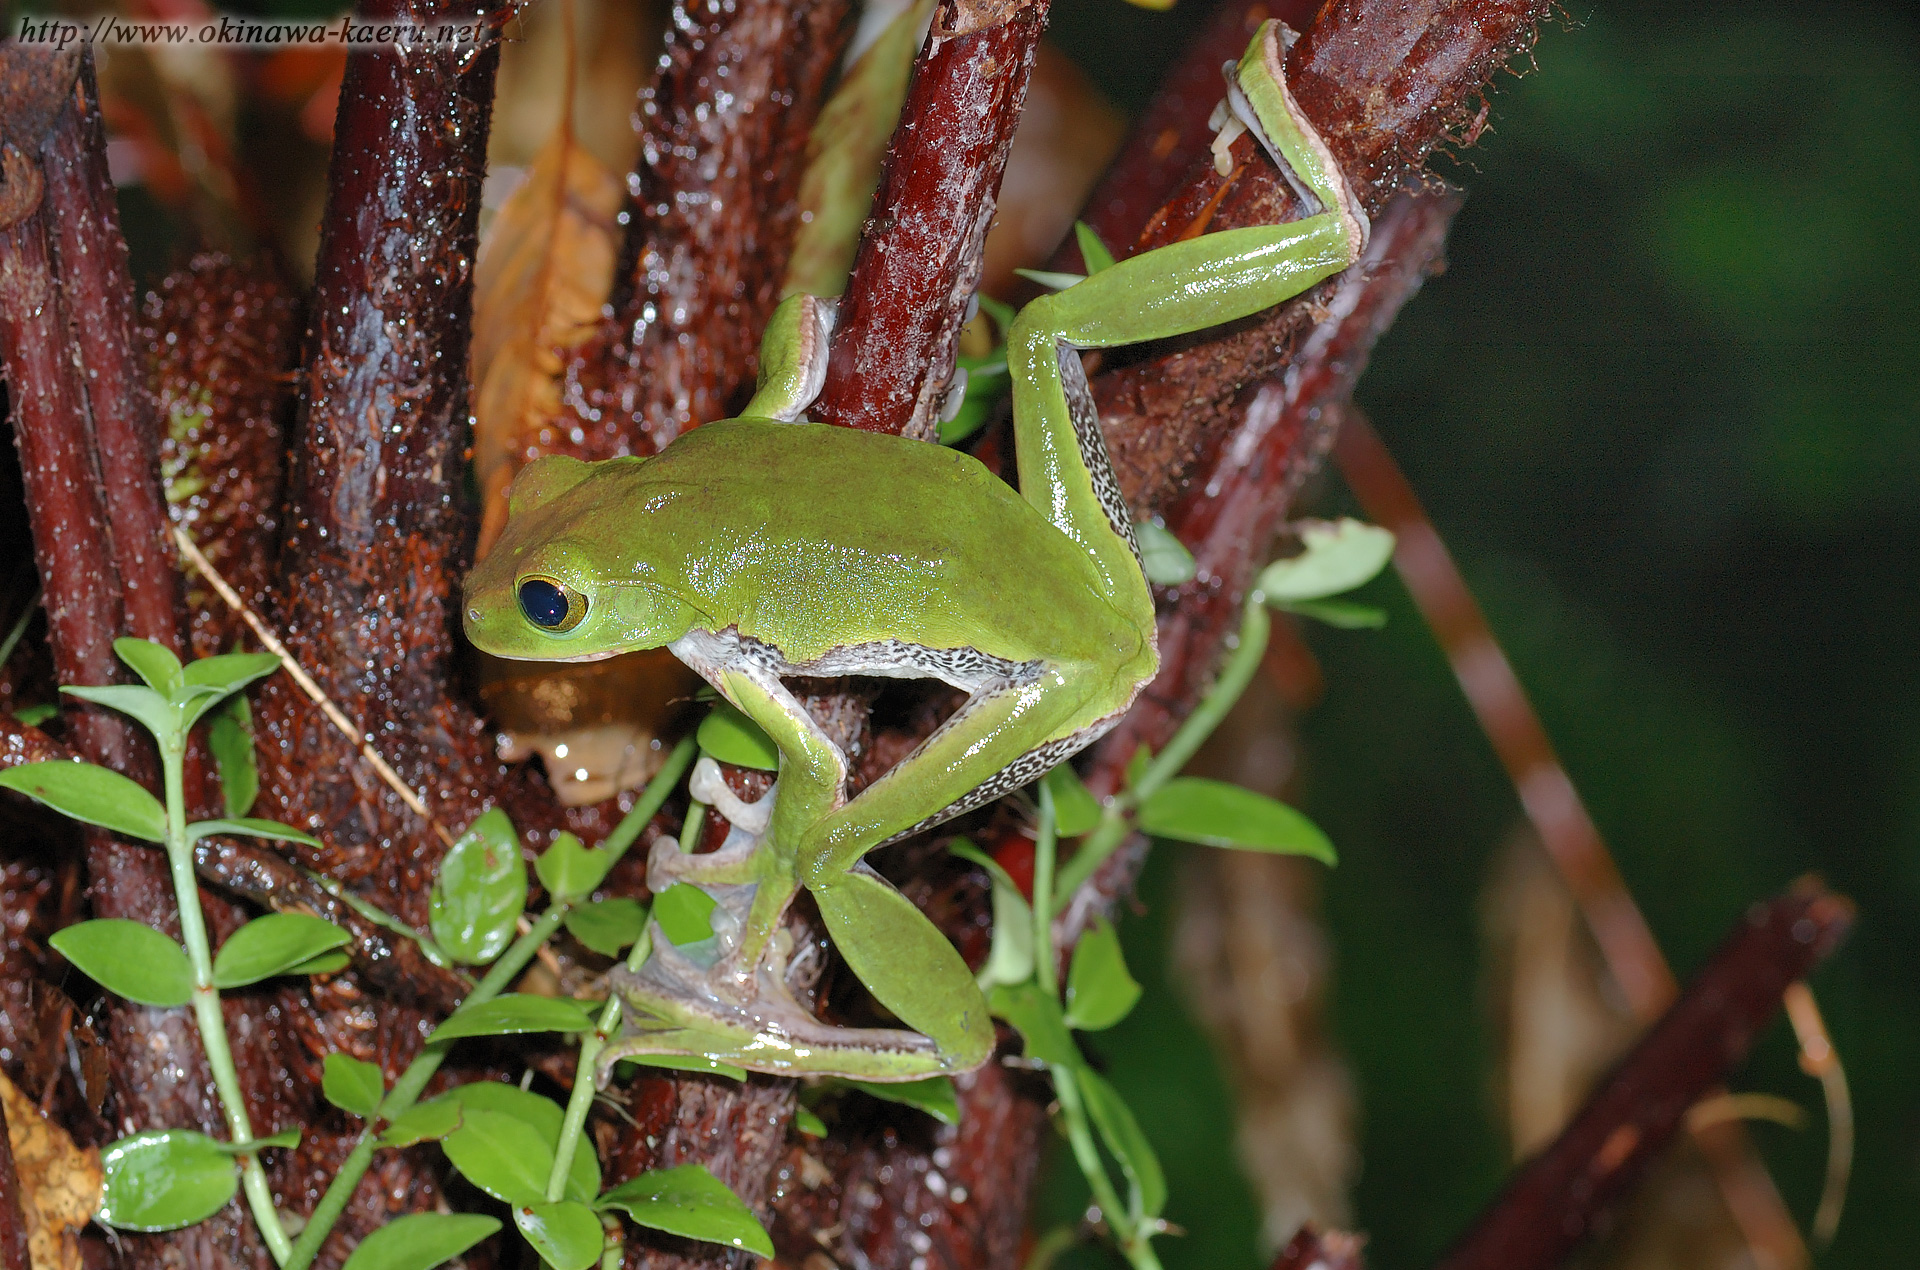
point(764, 546)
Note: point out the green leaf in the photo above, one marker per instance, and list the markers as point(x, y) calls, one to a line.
point(1050, 280)
point(1042, 1027)
point(1217, 814)
point(502, 1155)
point(1092, 250)
point(420, 1241)
point(567, 1235)
point(513, 1014)
point(608, 926)
point(249, 827)
point(162, 1179)
point(136, 701)
point(1344, 614)
point(159, 667)
point(422, 1122)
point(691, 1202)
point(34, 716)
point(1338, 556)
point(544, 1116)
point(273, 945)
point(1137, 765)
point(1010, 959)
point(1075, 809)
point(808, 1123)
point(325, 964)
point(569, 870)
point(480, 892)
point(731, 737)
point(1100, 991)
point(1163, 558)
point(688, 1063)
point(96, 795)
point(230, 737)
point(229, 671)
point(684, 911)
point(129, 958)
point(352, 1084)
point(934, 1095)
point(1121, 1132)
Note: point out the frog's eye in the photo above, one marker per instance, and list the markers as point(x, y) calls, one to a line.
point(550, 605)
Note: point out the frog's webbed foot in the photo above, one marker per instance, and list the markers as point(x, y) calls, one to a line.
point(676, 1006)
point(739, 860)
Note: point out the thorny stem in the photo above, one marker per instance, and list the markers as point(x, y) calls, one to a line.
point(206, 998)
point(580, 1100)
point(407, 1089)
point(1116, 818)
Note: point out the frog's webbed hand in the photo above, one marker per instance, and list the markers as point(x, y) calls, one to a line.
point(793, 358)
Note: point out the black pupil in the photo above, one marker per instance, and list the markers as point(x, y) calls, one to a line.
point(544, 603)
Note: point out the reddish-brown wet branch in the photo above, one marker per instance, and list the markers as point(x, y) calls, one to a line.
point(710, 221)
point(1554, 1202)
point(919, 257)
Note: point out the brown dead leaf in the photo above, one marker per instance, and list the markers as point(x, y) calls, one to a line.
point(59, 1182)
point(544, 270)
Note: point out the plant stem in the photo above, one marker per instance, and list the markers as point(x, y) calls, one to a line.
point(206, 1000)
point(1116, 821)
point(1046, 843)
point(407, 1089)
point(1133, 1238)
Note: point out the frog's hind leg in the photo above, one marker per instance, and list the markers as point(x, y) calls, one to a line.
point(793, 358)
point(1186, 286)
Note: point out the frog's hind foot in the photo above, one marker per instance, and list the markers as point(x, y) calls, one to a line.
point(674, 1007)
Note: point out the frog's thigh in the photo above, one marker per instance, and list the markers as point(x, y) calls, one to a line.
point(1004, 737)
point(813, 770)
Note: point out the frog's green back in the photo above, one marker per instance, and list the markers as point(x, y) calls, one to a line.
point(812, 537)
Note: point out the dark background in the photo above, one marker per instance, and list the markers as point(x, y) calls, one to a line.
point(1662, 408)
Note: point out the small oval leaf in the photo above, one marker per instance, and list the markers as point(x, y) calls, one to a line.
point(933, 1094)
point(569, 870)
point(273, 945)
point(684, 911)
point(1100, 991)
point(1075, 810)
point(352, 1084)
point(480, 891)
point(248, 827)
point(732, 737)
point(420, 1241)
point(422, 1122)
point(1343, 614)
point(807, 1122)
point(513, 1014)
point(1121, 1132)
point(545, 1116)
point(567, 1235)
point(129, 958)
point(1163, 558)
point(502, 1155)
point(609, 926)
point(1216, 814)
point(90, 793)
point(162, 1179)
point(1338, 556)
point(691, 1202)
point(158, 666)
point(230, 737)
point(1036, 1016)
point(136, 701)
point(1093, 252)
point(229, 671)
point(325, 964)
